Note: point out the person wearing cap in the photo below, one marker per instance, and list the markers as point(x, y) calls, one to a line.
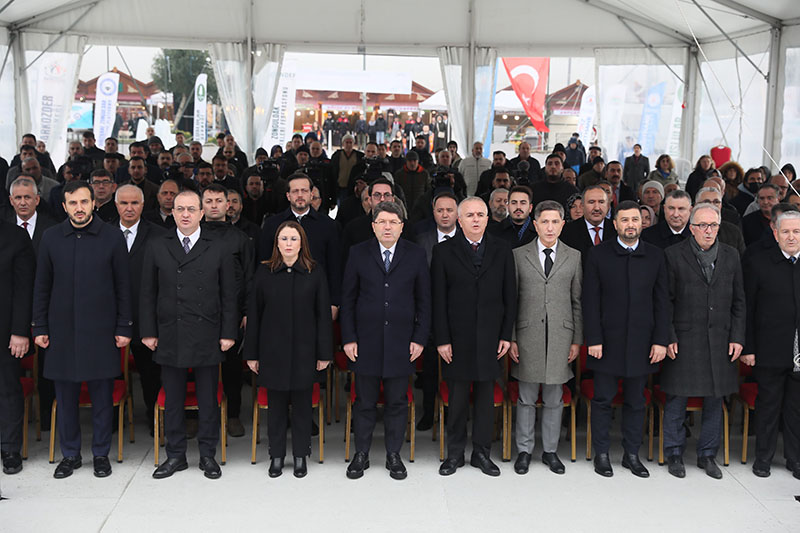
point(594, 152)
point(652, 195)
point(155, 146)
point(594, 175)
point(664, 172)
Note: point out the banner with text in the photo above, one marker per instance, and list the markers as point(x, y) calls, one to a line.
point(105, 106)
point(281, 125)
point(200, 133)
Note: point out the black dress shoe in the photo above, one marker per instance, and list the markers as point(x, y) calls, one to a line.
point(275, 467)
point(602, 465)
point(300, 468)
point(631, 462)
point(482, 461)
point(102, 467)
point(357, 466)
point(522, 463)
point(450, 465)
point(314, 429)
point(710, 466)
point(793, 466)
point(170, 466)
point(210, 468)
point(12, 463)
point(66, 466)
point(761, 468)
point(675, 466)
point(395, 466)
point(425, 423)
point(551, 459)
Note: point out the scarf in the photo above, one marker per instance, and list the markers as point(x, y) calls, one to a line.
point(706, 258)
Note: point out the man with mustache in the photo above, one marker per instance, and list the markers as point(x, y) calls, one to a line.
point(593, 227)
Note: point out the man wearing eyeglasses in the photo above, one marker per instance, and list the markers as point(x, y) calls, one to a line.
point(386, 318)
point(729, 233)
point(104, 188)
point(706, 337)
point(673, 225)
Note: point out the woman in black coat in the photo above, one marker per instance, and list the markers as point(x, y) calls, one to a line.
point(289, 339)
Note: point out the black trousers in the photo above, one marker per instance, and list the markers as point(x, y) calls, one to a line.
point(430, 379)
point(482, 421)
point(633, 411)
point(206, 379)
point(11, 404)
point(232, 380)
point(68, 417)
point(278, 416)
point(778, 396)
point(365, 411)
point(150, 375)
point(47, 392)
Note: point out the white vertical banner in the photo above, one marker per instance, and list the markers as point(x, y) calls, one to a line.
point(199, 132)
point(588, 112)
point(612, 105)
point(281, 125)
point(52, 81)
point(674, 137)
point(105, 106)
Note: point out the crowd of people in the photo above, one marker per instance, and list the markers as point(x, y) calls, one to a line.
point(480, 267)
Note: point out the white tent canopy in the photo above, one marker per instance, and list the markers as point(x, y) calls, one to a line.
point(661, 31)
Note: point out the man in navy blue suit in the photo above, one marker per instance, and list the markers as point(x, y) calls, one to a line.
point(386, 319)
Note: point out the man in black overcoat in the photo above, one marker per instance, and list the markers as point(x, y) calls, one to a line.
point(386, 320)
point(474, 309)
point(626, 326)
point(82, 313)
point(772, 290)
point(188, 317)
point(17, 267)
point(517, 229)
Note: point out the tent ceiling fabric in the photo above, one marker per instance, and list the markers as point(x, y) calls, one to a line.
point(510, 26)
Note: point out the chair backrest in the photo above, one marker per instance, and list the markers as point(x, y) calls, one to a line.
point(745, 371)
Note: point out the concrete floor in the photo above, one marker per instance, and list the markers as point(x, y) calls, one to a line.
point(245, 497)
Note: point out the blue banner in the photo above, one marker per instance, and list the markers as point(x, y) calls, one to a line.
point(81, 116)
point(651, 113)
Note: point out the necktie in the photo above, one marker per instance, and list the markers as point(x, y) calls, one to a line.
point(793, 259)
point(186, 247)
point(127, 233)
point(446, 237)
point(475, 247)
point(630, 250)
point(596, 235)
point(548, 261)
point(386, 261)
point(25, 224)
point(299, 220)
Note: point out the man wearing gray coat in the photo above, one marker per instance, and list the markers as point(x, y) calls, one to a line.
point(547, 334)
point(708, 330)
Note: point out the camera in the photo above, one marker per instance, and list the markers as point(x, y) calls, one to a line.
point(442, 176)
point(269, 170)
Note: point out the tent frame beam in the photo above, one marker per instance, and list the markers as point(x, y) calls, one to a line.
point(771, 119)
point(642, 21)
point(45, 15)
point(651, 48)
point(750, 12)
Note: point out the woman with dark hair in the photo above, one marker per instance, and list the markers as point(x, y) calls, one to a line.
point(664, 172)
point(733, 174)
point(276, 152)
point(788, 171)
point(700, 173)
point(289, 339)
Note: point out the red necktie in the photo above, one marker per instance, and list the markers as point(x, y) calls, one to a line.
point(597, 235)
point(475, 247)
point(25, 224)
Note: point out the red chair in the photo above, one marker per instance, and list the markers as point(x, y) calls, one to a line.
point(190, 404)
point(410, 426)
point(748, 392)
point(120, 398)
point(513, 397)
point(262, 402)
point(586, 387)
point(694, 404)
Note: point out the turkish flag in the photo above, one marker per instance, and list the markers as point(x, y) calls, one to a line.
point(528, 77)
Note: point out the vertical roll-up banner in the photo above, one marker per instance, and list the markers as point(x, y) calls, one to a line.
point(200, 108)
point(105, 106)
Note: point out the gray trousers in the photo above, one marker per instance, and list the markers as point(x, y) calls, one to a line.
point(552, 406)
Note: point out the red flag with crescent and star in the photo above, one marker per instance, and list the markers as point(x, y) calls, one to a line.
point(528, 77)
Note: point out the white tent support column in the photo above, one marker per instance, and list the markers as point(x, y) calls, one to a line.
point(22, 102)
point(249, 147)
point(689, 120)
point(774, 115)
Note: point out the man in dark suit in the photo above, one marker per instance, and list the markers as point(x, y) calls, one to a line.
point(322, 233)
point(553, 187)
point(162, 215)
point(443, 228)
point(626, 325)
point(129, 200)
point(187, 316)
point(386, 320)
point(707, 334)
point(636, 168)
point(17, 267)
point(136, 169)
point(772, 290)
point(673, 226)
point(82, 264)
point(475, 306)
point(593, 227)
point(757, 224)
point(729, 233)
point(517, 229)
point(620, 192)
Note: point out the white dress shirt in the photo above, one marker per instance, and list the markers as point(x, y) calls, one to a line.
point(441, 236)
point(132, 237)
point(789, 256)
point(633, 247)
point(193, 238)
point(590, 228)
point(31, 224)
point(391, 252)
point(543, 256)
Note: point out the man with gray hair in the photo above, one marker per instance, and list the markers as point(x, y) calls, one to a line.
point(385, 319)
point(729, 233)
point(673, 224)
point(706, 338)
point(31, 167)
point(498, 206)
point(772, 286)
point(342, 163)
point(549, 277)
point(472, 167)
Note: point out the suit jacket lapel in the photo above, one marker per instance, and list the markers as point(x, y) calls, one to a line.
point(692, 260)
point(199, 247)
point(141, 235)
point(488, 255)
point(532, 256)
point(560, 257)
point(398, 253)
point(462, 251)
